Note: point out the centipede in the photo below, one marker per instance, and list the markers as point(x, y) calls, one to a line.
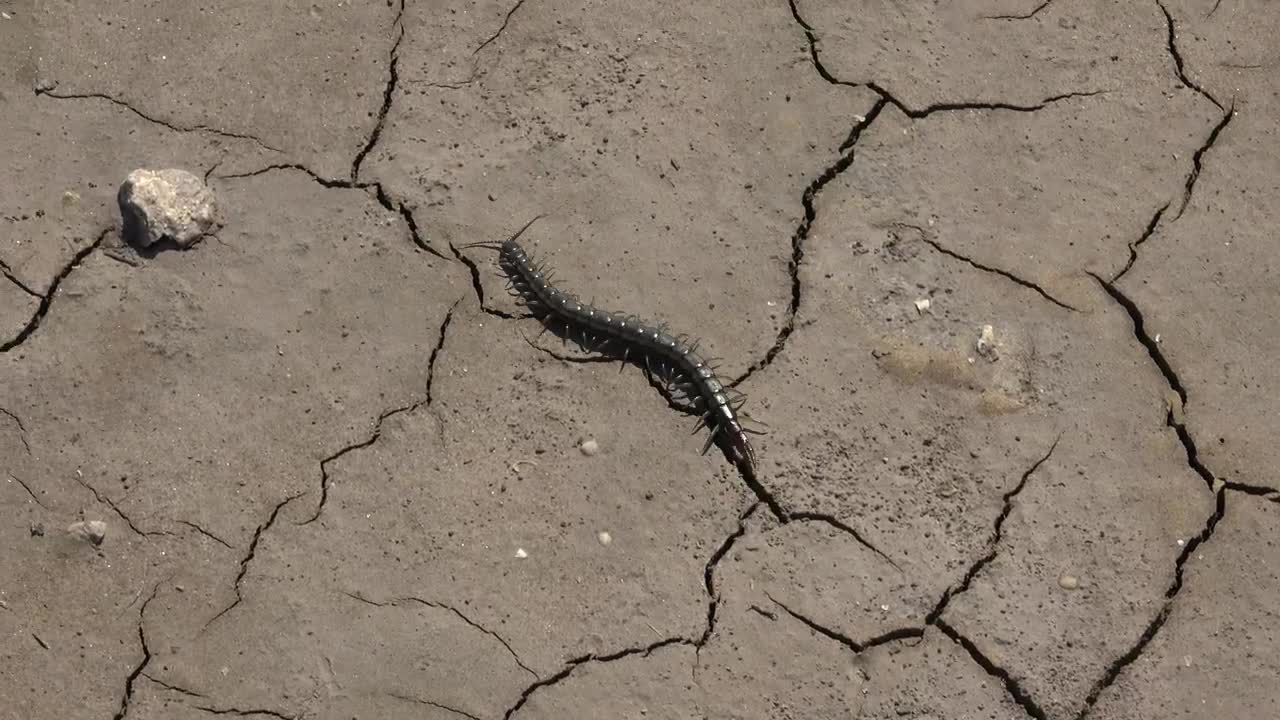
point(689, 380)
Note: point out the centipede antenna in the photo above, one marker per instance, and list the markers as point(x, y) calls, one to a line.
point(486, 244)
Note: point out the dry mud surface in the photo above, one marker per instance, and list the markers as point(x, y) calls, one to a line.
point(337, 482)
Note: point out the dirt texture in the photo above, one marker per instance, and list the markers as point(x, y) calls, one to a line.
point(997, 279)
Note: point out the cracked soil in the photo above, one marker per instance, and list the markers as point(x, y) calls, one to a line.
point(340, 480)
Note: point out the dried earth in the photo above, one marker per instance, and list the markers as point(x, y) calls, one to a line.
point(338, 483)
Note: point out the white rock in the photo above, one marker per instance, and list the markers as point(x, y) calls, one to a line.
point(604, 537)
point(166, 204)
point(94, 530)
point(589, 447)
point(987, 344)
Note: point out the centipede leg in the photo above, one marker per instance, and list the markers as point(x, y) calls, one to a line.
point(702, 422)
point(711, 438)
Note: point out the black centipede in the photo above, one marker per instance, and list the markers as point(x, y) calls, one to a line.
point(689, 379)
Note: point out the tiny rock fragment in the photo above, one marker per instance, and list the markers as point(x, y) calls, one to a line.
point(70, 198)
point(520, 553)
point(93, 531)
point(923, 305)
point(169, 204)
point(589, 447)
point(987, 344)
point(604, 537)
point(1068, 582)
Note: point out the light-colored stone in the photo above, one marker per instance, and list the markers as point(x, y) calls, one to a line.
point(93, 531)
point(168, 203)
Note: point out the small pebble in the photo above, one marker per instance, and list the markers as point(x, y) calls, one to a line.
point(1068, 582)
point(520, 553)
point(589, 447)
point(604, 537)
point(94, 530)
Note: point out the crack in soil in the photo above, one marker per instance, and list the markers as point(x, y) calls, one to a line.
point(575, 663)
point(244, 562)
point(1117, 667)
point(46, 300)
point(11, 277)
point(1011, 686)
point(434, 704)
point(374, 188)
point(174, 688)
point(1178, 65)
point(934, 618)
point(501, 30)
point(242, 713)
point(812, 37)
point(1197, 159)
point(22, 429)
point(891, 636)
point(1025, 16)
point(377, 426)
point(399, 602)
point(146, 656)
point(206, 533)
point(26, 487)
point(990, 269)
point(918, 114)
point(802, 233)
point(105, 500)
point(993, 545)
point(811, 516)
point(1133, 246)
point(709, 580)
point(49, 92)
point(1175, 419)
point(387, 96)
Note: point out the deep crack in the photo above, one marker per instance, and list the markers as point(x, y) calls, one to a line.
point(575, 663)
point(1133, 246)
point(47, 299)
point(1013, 687)
point(857, 647)
point(248, 558)
point(1153, 628)
point(802, 233)
point(13, 278)
point(993, 545)
point(708, 575)
point(377, 426)
point(1197, 159)
point(1175, 420)
point(811, 516)
point(373, 188)
point(500, 30)
point(152, 119)
point(146, 656)
point(1178, 65)
point(388, 93)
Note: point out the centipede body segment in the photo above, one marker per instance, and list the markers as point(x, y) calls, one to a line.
point(672, 358)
